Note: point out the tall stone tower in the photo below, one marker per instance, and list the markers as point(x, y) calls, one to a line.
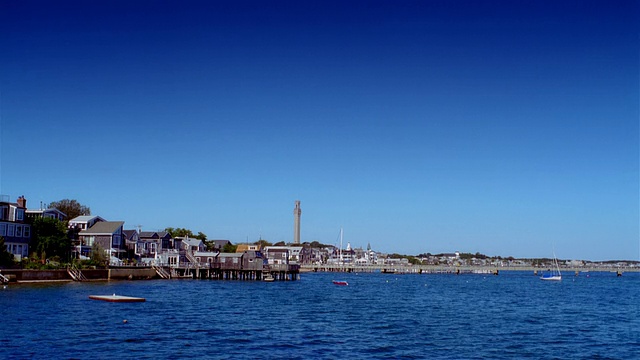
point(296, 223)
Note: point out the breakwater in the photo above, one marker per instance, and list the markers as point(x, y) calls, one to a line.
point(22, 275)
point(440, 269)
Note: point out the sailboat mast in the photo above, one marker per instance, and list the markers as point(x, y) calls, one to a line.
point(340, 246)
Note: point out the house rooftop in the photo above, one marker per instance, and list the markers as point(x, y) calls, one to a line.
point(193, 242)
point(41, 211)
point(84, 218)
point(103, 227)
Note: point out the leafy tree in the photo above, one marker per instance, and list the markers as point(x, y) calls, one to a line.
point(49, 238)
point(6, 258)
point(181, 232)
point(279, 243)
point(263, 243)
point(98, 254)
point(317, 245)
point(229, 248)
point(72, 208)
point(210, 245)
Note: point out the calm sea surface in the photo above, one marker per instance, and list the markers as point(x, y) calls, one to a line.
point(378, 316)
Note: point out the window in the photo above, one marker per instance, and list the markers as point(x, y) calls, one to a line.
point(19, 214)
point(235, 260)
point(11, 231)
point(3, 229)
point(27, 231)
point(18, 231)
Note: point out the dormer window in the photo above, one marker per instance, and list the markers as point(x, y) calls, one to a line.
point(19, 214)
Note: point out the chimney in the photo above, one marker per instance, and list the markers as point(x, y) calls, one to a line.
point(22, 202)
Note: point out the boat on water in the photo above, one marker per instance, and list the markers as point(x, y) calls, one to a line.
point(340, 282)
point(553, 275)
point(268, 278)
point(116, 298)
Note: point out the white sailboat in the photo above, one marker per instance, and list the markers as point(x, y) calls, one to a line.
point(555, 274)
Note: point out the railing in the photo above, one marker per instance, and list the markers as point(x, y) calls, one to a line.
point(75, 273)
point(161, 271)
point(192, 259)
point(3, 279)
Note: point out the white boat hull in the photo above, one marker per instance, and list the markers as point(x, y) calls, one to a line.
point(552, 278)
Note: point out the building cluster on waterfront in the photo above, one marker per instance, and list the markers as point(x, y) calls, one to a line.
point(136, 247)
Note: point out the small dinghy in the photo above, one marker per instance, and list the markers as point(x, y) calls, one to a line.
point(116, 298)
point(340, 282)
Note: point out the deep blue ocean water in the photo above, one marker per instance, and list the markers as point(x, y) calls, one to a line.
point(378, 316)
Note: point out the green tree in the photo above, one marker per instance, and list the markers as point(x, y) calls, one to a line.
point(49, 238)
point(98, 255)
point(229, 248)
point(175, 232)
point(72, 208)
point(201, 236)
point(6, 258)
point(263, 243)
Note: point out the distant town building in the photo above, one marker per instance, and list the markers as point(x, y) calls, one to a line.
point(245, 247)
point(283, 254)
point(219, 244)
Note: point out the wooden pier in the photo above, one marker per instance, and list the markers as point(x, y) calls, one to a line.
point(280, 272)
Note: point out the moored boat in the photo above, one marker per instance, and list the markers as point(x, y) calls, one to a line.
point(555, 274)
point(116, 298)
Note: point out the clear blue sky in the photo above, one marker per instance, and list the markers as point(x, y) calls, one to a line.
point(503, 127)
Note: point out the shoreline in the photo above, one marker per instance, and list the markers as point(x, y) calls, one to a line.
point(44, 277)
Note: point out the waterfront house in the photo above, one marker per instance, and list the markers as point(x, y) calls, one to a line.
point(283, 254)
point(193, 245)
point(207, 257)
point(107, 234)
point(154, 242)
point(277, 255)
point(249, 260)
point(170, 257)
point(230, 261)
point(309, 255)
point(132, 243)
point(252, 260)
point(13, 226)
